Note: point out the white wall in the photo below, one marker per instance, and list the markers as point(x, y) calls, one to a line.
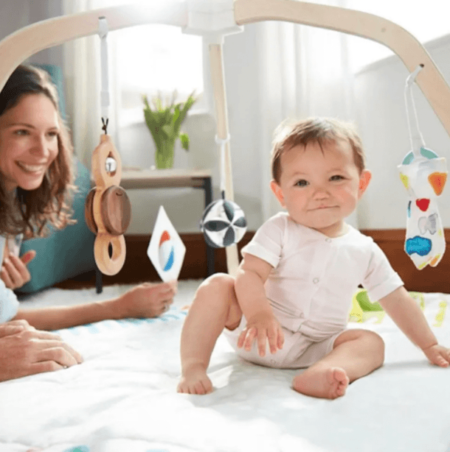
point(381, 117)
point(137, 148)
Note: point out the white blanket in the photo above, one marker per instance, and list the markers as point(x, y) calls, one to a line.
point(123, 397)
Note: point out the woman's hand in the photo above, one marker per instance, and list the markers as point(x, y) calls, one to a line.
point(26, 351)
point(146, 300)
point(14, 272)
point(262, 327)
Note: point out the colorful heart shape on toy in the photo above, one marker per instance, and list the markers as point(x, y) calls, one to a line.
point(437, 181)
point(423, 204)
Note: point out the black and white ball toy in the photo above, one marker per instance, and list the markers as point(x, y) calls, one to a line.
point(223, 224)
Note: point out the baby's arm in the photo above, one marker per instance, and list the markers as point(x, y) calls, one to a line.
point(262, 325)
point(408, 316)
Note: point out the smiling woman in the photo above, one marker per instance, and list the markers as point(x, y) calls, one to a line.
point(31, 140)
point(36, 186)
point(35, 155)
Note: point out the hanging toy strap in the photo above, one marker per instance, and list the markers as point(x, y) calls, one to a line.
point(103, 33)
point(415, 135)
point(222, 143)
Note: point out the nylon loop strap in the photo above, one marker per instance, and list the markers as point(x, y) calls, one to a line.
point(104, 96)
point(222, 143)
point(415, 135)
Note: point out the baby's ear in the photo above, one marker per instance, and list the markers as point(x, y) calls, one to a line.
point(364, 180)
point(277, 192)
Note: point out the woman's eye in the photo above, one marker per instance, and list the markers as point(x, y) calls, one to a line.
point(337, 177)
point(21, 132)
point(52, 134)
point(301, 183)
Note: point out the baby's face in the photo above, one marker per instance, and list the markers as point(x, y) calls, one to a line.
point(320, 189)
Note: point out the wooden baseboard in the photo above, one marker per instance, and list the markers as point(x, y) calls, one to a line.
point(392, 242)
point(138, 268)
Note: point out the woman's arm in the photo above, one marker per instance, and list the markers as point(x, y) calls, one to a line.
point(143, 301)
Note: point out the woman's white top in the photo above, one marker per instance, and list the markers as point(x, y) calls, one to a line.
point(315, 277)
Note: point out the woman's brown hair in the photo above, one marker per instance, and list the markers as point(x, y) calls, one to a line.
point(31, 211)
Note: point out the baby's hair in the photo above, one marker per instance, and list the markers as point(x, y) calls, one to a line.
point(314, 130)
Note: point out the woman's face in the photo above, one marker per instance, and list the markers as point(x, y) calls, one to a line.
point(28, 142)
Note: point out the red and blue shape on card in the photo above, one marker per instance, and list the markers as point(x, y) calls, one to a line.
point(166, 250)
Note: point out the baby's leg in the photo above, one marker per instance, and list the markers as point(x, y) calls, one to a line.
point(214, 307)
point(355, 353)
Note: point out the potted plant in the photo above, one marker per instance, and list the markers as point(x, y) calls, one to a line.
point(164, 119)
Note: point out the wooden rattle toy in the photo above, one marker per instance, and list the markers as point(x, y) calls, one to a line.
point(108, 208)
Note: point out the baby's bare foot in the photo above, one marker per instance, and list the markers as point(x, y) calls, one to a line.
point(195, 381)
point(325, 383)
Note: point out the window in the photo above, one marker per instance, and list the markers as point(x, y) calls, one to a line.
point(154, 59)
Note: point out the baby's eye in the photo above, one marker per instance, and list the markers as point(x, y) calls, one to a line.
point(302, 183)
point(337, 177)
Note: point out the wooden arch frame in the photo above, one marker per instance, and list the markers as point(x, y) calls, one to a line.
point(18, 46)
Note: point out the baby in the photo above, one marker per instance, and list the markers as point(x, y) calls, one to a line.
point(294, 286)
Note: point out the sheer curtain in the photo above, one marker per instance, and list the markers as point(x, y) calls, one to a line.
point(82, 77)
point(304, 72)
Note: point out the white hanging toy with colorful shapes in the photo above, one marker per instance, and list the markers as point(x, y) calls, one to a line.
point(424, 174)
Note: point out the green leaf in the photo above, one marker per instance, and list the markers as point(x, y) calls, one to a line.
point(168, 130)
point(184, 141)
point(164, 118)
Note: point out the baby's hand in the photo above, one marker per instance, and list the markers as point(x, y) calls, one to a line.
point(438, 355)
point(263, 327)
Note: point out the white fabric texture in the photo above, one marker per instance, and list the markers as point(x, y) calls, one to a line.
point(424, 180)
point(123, 397)
point(315, 276)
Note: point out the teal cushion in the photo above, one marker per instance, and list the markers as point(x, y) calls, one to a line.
point(65, 253)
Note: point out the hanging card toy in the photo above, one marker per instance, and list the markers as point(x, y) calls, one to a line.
point(166, 250)
point(424, 174)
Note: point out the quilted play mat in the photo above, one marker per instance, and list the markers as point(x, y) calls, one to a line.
point(123, 397)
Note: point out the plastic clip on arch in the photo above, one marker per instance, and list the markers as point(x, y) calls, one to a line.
point(107, 209)
point(223, 222)
point(424, 174)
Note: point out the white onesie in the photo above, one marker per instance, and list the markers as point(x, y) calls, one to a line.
point(313, 280)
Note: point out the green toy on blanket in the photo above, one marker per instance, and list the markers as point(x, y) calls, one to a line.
point(363, 307)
